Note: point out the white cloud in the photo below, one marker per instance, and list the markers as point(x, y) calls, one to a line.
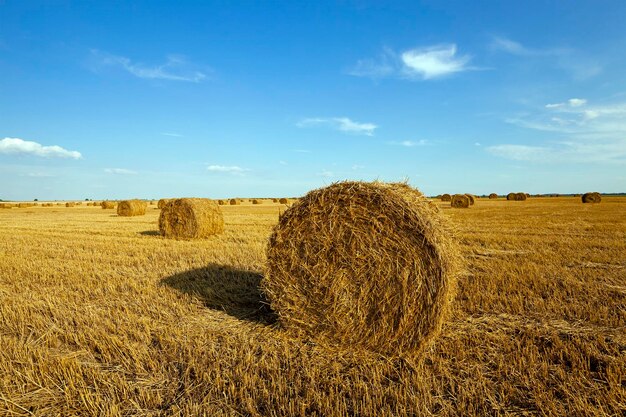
point(434, 61)
point(356, 167)
point(409, 143)
point(512, 47)
point(342, 124)
point(176, 68)
point(175, 135)
point(25, 147)
point(233, 170)
point(120, 171)
point(325, 173)
point(424, 63)
point(39, 175)
point(582, 133)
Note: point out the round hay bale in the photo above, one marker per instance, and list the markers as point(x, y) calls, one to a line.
point(510, 196)
point(5, 206)
point(234, 202)
point(162, 202)
point(69, 204)
point(274, 200)
point(493, 196)
point(107, 205)
point(283, 201)
point(593, 197)
point(255, 201)
point(446, 197)
point(191, 218)
point(221, 202)
point(129, 208)
point(471, 199)
point(366, 265)
point(460, 201)
point(520, 197)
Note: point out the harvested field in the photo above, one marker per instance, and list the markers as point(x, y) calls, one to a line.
point(102, 316)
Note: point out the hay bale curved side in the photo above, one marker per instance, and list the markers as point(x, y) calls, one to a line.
point(163, 202)
point(460, 201)
point(593, 197)
point(129, 208)
point(471, 199)
point(234, 202)
point(367, 265)
point(69, 204)
point(191, 218)
point(107, 205)
point(283, 201)
point(510, 196)
point(255, 201)
point(446, 197)
point(493, 196)
point(520, 197)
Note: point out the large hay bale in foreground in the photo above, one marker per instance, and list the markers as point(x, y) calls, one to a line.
point(234, 202)
point(493, 196)
point(163, 202)
point(191, 218)
point(129, 208)
point(107, 205)
point(593, 197)
point(471, 199)
point(446, 197)
point(460, 201)
point(365, 265)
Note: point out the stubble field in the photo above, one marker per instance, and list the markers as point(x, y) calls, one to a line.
point(101, 316)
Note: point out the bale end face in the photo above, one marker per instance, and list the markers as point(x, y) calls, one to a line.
point(365, 265)
point(446, 197)
point(191, 218)
point(493, 196)
point(460, 201)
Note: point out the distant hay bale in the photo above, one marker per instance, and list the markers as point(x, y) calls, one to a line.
point(79, 203)
point(234, 202)
point(221, 202)
point(493, 195)
point(162, 202)
point(446, 197)
point(69, 204)
point(255, 201)
point(152, 202)
point(593, 197)
point(510, 196)
point(129, 208)
point(107, 205)
point(521, 196)
point(274, 200)
point(471, 199)
point(283, 201)
point(191, 218)
point(5, 206)
point(366, 265)
point(460, 201)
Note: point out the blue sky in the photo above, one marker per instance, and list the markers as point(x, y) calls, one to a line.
point(158, 99)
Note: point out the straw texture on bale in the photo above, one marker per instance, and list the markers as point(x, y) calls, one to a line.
point(283, 201)
point(362, 265)
point(471, 199)
point(446, 197)
point(129, 208)
point(234, 202)
point(460, 201)
point(191, 218)
point(593, 197)
point(493, 195)
point(521, 196)
point(255, 201)
point(221, 202)
point(107, 205)
point(69, 204)
point(162, 202)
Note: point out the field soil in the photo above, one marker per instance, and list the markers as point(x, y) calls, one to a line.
point(101, 316)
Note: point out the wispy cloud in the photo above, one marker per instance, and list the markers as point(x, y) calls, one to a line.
point(326, 173)
point(39, 175)
point(120, 171)
point(175, 135)
point(175, 68)
point(24, 147)
point(422, 63)
point(223, 169)
point(578, 64)
point(409, 143)
point(582, 133)
point(342, 124)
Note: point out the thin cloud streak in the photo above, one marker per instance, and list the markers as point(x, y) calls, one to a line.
point(17, 146)
point(120, 171)
point(343, 124)
point(176, 68)
point(223, 169)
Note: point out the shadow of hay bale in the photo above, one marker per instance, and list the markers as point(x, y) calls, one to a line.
point(219, 287)
point(150, 233)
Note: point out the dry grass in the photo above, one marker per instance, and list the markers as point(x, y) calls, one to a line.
point(330, 277)
point(100, 315)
